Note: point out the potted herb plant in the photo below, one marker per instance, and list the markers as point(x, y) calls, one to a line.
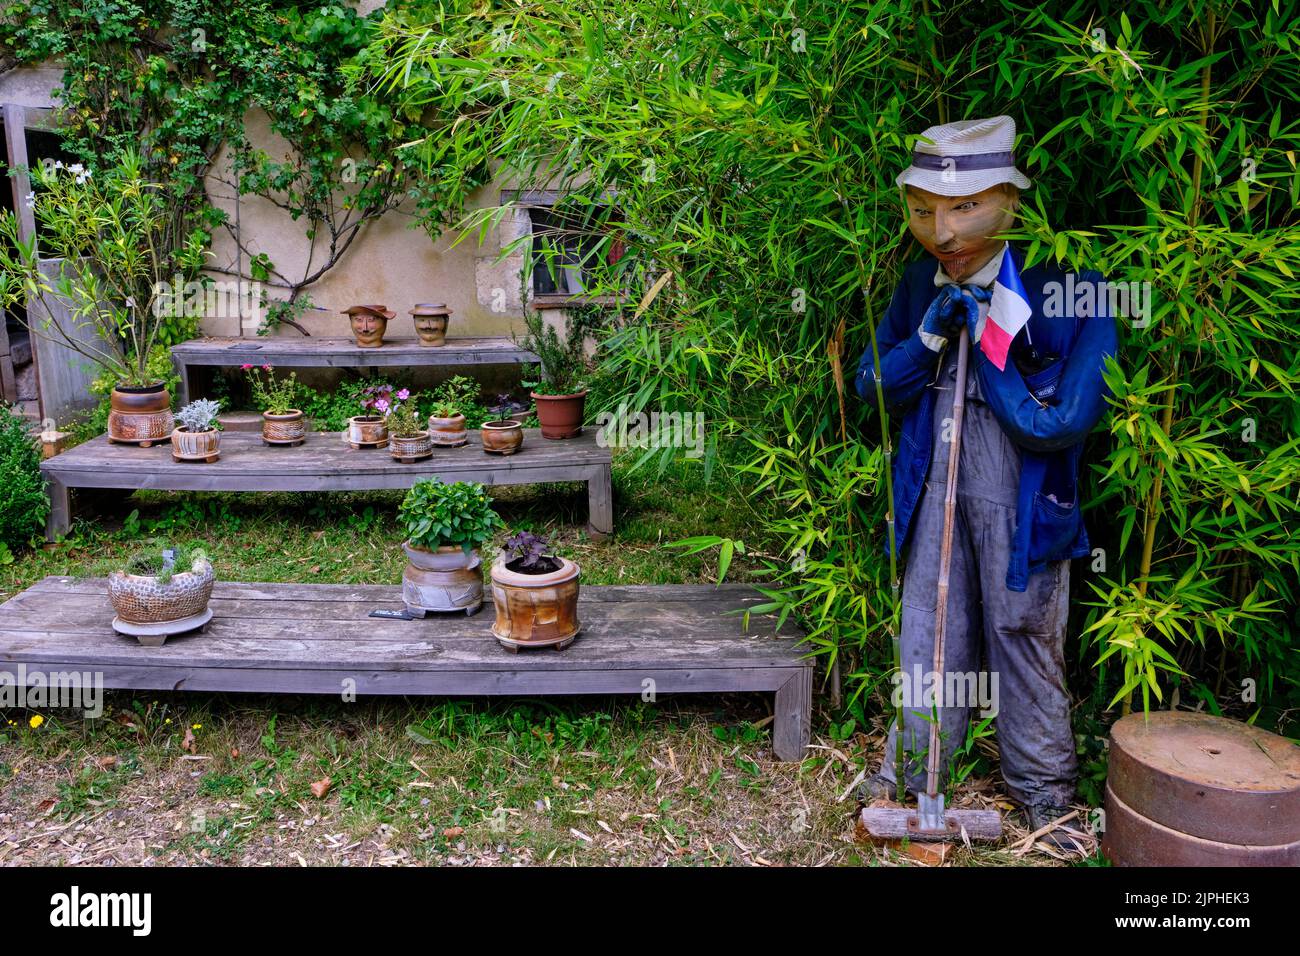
point(407, 441)
point(431, 322)
point(161, 591)
point(198, 437)
point(445, 526)
point(100, 281)
point(370, 428)
point(559, 392)
point(282, 423)
point(535, 593)
point(447, 425)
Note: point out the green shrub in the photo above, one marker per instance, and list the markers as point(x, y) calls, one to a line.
point(437, 515)
point(23, 505)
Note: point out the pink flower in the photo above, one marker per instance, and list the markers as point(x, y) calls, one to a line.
point(382, 404)
point(404, 394)
point(266, 368)
point(246, 366)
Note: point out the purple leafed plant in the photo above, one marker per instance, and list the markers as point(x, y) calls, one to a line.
point(530, 553)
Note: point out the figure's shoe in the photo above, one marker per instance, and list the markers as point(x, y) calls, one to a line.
point(1040, 815)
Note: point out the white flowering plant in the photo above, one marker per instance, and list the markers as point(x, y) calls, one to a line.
point(200, 415)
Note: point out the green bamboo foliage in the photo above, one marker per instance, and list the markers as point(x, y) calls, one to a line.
point(745, 152)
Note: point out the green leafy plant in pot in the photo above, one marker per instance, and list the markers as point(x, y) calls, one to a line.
point(535, 593)
point(445, 526)
point(560, 392)
point(447, 425)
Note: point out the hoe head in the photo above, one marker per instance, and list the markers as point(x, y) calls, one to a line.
point(929, 821)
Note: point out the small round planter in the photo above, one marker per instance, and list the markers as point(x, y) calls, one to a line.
point(151, 611)
point(369, 323)
point(196, 446)
point(140, 415)
point(561, 415)
point(409, 449)
point(367, 431)
point(444, 580)
point(535, 610)
point(504, 437)
point(431, 320)
point(289, 428)
point(448, 432)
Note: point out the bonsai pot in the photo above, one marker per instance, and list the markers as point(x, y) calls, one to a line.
point(196, 446)
point(151, 611)
point(444, 580)
point(410, 448)
point(448, 432)
point(367, 431)
point(535, 610)
point(560, 415)
point(289, 428)
point(369, 322)
point(502, 437)
point(140, 414)
point(431, 322)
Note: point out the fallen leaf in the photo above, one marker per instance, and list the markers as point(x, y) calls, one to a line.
point(106, 763)
point(234, 752)
point(453, 831)
point(189, 744)
point(321, 787)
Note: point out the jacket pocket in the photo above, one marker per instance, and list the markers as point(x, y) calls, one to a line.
point(1053, 529)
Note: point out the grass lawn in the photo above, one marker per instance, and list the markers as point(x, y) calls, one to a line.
point(212, 779)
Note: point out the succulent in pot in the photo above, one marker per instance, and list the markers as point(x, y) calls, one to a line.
point(282, 423)
point(407, 441)
point(198, 437)
point(370, 428)
point(162, 591)
point(447, 425)
point(535, 593)
point(445, 526)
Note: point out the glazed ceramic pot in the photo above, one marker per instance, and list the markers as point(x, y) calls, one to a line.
point(141, 599)
point(410, 448)
point(367, 431)
point(561, 415)
point(448, 432)
point(535, 610)
point(504, 437)
point(369, 322)
point(140, 415)
point(196, 446)
point(289, 428)
point(431, 322)
point(444, 580)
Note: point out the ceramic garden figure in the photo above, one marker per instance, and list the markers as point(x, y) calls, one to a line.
point(1034, 391)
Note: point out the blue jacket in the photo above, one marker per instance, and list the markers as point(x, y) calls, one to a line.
point(1078, 329)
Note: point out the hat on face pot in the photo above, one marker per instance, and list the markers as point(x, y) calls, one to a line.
point(965, 157)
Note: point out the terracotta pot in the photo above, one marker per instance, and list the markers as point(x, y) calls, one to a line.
point(140, 599)
point(561, 415)
point(448, 432)
point(287, 429)
point(410, 448)
point(444, 580)
point(367, 431)
point(196, 446)
point(369, 322)
point(431, 322)
point(504, 437)
point(140, 415)
point(538, 610)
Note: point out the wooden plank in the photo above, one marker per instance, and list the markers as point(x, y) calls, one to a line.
point(792, 728)
point(318, 352)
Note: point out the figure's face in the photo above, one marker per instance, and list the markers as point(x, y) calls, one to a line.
point(956, 229)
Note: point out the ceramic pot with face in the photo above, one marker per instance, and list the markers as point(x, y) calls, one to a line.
point(140, 415)
point(504, 437)
point(369, 322)
point(431, 320)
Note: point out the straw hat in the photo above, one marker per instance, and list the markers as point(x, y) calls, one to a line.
point(969, 156)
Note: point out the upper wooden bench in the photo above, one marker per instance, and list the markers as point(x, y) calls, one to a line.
point(313, 352)
point(325, 462)
point(318, 639)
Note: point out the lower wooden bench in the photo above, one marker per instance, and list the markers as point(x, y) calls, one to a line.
point(319, 639)
point(325, 463)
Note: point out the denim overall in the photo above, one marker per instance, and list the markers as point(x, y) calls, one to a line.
point(1018, 636)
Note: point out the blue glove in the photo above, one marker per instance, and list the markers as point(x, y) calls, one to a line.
point(968, 308)
point(942, 320)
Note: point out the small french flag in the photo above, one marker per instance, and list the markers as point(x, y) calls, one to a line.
point(1008, 312)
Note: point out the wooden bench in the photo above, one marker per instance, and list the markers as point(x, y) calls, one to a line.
point(318, 639)
point(314, 352)
point(325, 462)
